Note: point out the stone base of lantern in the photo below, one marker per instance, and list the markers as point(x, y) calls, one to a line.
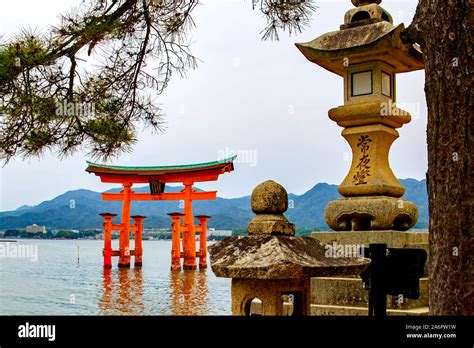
point(346, 295)
point(371, 213)
point(324, 310)
point(393, 239)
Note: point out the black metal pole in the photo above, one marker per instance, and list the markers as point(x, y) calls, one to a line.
point(377, 292)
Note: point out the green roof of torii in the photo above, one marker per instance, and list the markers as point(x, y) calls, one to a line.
point(96, 167)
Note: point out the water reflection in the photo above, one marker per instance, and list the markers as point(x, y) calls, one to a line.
point(122, 292)
point(189, 293)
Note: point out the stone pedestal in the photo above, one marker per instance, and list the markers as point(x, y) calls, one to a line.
point(346, 295)
point(370, 173)
point(371, 212)
point(370, 189)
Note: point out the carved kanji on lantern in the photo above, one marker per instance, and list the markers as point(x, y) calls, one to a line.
point(363, 168)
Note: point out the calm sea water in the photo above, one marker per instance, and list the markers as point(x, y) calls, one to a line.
point(60, 283)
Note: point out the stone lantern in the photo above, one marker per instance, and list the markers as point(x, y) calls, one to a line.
point(272, 266)
point(368, 53)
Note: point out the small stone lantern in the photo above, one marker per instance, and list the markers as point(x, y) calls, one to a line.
point(272, 265)
point(368, 53)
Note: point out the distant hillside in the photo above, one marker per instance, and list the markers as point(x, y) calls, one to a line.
point(306, 210)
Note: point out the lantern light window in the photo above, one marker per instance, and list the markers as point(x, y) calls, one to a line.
point(362, 83)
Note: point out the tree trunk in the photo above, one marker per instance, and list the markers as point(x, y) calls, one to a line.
point(444, 29)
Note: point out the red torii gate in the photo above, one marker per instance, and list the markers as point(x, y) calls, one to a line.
point(157, 177)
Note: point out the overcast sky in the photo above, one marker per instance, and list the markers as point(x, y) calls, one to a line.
point(261, 99)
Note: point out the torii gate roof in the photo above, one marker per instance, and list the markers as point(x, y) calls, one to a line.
point(172, 173)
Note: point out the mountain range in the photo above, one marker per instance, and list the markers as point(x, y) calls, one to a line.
point(79, 209)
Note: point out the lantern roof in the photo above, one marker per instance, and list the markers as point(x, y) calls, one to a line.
point(279, 257)
point(366, 35)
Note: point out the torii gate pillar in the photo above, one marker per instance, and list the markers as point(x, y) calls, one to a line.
point(189, 237)
point(124, 258)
